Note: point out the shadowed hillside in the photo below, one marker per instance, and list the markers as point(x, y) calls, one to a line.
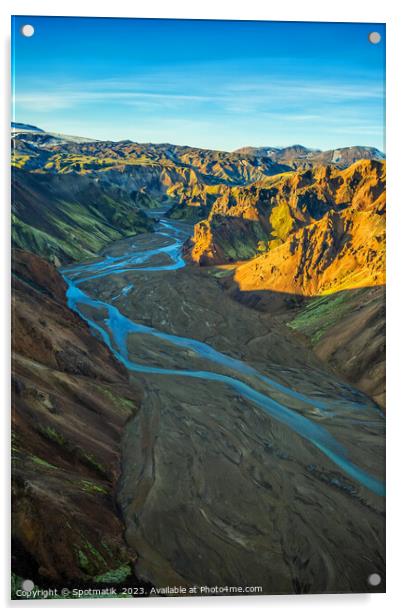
point(71, 401)
point(63, 218)
point(347, 330)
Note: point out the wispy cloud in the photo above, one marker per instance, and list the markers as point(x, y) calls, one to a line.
point(49, 101)
point(328, 89)
point(233, 98)
point(196, 83)
point(173, 106)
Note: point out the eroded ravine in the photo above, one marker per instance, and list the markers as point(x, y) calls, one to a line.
point(276, 443)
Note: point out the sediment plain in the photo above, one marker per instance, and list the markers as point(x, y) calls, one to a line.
point(218, 486)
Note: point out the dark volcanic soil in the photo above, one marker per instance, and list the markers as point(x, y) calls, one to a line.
point(71, 401)
point(214, 489)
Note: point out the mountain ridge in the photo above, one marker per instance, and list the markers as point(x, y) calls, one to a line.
point(297, 149)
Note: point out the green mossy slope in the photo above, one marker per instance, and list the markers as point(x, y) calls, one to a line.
point(64, 218)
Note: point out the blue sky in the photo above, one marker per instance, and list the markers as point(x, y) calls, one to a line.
point(211, 84)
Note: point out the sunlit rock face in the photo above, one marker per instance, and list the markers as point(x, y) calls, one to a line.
point(317, 234)
point(309, 232)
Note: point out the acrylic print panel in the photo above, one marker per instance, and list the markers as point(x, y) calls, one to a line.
point(198, 331)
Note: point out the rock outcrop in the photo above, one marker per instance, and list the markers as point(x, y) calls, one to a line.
point(317, 234)
point(312, 232)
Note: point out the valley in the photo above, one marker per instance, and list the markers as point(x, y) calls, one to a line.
point(230, 307)
point(216, 419)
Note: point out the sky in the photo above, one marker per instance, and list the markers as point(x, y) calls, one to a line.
point(212, 84)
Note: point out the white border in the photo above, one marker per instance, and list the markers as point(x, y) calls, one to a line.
point(291, 10)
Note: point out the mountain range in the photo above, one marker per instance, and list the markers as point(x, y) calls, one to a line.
point(293, 221)
point(293, 237)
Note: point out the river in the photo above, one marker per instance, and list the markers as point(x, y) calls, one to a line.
point(99, 291)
